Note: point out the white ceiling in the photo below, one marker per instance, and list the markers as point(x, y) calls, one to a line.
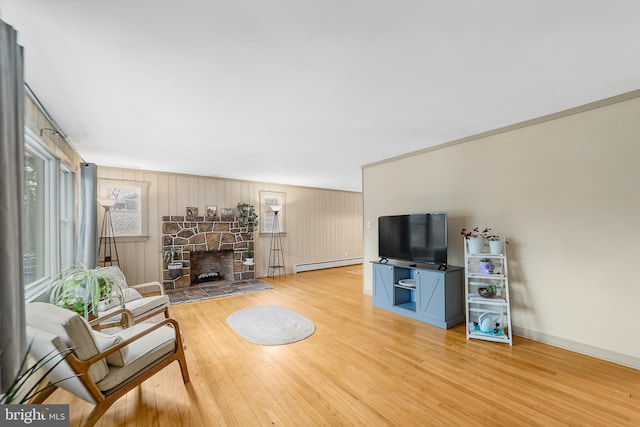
point(306, 92)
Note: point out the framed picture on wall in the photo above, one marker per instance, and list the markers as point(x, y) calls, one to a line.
point(127, 203)
point(270, 202)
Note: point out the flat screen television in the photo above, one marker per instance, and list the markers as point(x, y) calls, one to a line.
point(420, 238)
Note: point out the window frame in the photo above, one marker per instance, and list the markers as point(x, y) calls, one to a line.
point(36, 147)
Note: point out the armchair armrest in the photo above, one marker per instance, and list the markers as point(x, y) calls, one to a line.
point(125, 321)
point(128, 341)
point(145, 288)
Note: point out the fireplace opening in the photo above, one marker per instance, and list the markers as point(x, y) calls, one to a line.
point(207, 266)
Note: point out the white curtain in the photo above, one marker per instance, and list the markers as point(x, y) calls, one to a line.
point(12, 328)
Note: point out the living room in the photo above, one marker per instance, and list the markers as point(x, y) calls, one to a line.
point(562, 188)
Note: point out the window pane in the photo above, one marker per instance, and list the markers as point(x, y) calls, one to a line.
point(67, 219)
point(34, 212)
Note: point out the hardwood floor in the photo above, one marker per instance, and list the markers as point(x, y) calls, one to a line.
point(366, 366)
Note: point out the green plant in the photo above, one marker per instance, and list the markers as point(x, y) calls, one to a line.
point(485, 260)
point(250, 254)
point(81, 289)
point(169, 252)
point(491, 286)
point(247, 217)
point(25, 385)
point(474, 233)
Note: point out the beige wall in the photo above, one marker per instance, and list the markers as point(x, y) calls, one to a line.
point(321, 225)
point(36, 121)
point(566, 193)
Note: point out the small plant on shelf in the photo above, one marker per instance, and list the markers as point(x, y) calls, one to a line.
point(475, 233)
point(488, 291)
point(486, 266)
point(169, 253)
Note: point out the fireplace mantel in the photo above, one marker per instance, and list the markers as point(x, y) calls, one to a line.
point(195, 234)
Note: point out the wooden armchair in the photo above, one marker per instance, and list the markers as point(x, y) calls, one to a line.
point(102, 368)
point(144, 301)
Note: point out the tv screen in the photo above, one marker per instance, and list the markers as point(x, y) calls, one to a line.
point(420, 238)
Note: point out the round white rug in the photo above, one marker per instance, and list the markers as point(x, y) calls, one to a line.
point(271, 325)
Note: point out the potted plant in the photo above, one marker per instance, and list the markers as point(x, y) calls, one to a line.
point(247, 217)
point(486, 266)
point(249, 258)
point(475, 239)
point(496, 244)
point(82, 289)
point(488, 291)
point(175, 267)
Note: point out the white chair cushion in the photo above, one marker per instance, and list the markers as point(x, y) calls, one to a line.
point(72, 329)
point(142, 306)
point(106, 341)
point(142, 353)
point(130, 294)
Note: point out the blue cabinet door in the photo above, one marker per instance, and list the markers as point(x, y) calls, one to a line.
point(383, 285)
point(430, 295)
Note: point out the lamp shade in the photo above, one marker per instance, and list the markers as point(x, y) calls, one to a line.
point(106, 203)
point(276, 208)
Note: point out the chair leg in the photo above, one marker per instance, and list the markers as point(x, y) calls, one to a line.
point(183, 368)
point(98, 412)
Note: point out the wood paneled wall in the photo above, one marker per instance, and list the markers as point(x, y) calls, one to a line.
point(321, 225)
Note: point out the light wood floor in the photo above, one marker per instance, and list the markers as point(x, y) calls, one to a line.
point(366, 366)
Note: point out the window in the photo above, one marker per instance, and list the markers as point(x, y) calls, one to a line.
point(49, 219)
point(67, 218)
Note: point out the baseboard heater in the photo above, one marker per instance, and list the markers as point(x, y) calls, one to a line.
point(297, 268)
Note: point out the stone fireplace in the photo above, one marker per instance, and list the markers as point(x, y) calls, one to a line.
point(207, 246)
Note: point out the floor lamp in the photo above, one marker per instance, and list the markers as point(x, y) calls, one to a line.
point(276, 256)
point(108, 255)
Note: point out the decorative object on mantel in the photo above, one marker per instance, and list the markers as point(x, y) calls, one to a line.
point(192, 211)
point(212, 212)
point(276, 255)
point(226, 214)
point(271, 325)
point(107, 248)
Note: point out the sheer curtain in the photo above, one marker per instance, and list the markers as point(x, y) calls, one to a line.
point(12, 328)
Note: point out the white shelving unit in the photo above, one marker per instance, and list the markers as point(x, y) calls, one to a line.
point(498, 307)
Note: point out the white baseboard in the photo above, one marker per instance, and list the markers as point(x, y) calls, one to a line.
point(297, 268)
point(600, 353)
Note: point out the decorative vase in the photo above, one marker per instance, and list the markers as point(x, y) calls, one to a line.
point(486, 267)
point(495, 247)
point(175, 269)
point(475, 245)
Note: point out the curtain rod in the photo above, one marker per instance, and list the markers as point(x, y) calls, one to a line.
point(44, 111)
